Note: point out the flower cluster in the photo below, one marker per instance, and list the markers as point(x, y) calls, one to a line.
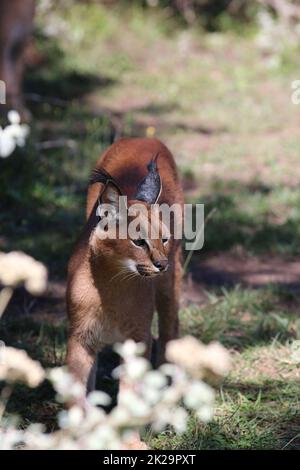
point(157, 397)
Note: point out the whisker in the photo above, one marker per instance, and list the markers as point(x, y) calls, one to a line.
point(125, 275)
point(119, 273)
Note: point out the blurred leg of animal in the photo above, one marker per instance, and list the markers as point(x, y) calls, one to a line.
point(81, 363)
point(91, 384)
point(16, 25)
point(167, 304)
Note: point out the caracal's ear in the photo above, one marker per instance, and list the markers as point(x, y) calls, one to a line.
point(150, 187)
point(112, 202)
point(110, 195)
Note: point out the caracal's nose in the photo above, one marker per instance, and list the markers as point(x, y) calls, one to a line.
point(161, 264)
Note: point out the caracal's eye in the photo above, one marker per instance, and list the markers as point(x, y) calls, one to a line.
point(165, 240)
point(139, 242)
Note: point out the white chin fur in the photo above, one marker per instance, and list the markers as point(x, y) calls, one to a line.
point(130, 265)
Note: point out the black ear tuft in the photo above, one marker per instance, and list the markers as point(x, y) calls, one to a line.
point(99, 175)
point(150, 187)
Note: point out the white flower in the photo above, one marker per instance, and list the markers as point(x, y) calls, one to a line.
point(136, 368)
point(217, 360)
point(36, 438)
point(199, 360)
point(151, 395)
point(179, 419)
point(17, 267)
point(171, 395)
point(169, 369)
point(134, 404)
point(162, 419)
point(64, 383)
point(104, 437)
point(9, 438)
point(98, 398)
point(14, 117)
point(205, 413)
point(17, 366)
point(155, 379)
point(71, 418)
point(129, 349)
point(197, 394)
point(93, 416)
point(13, 135)
point(120, 416)
point(7, 143)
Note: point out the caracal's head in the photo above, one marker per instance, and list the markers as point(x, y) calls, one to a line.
point(131, 235)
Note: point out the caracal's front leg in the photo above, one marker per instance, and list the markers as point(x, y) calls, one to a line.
point(167, 303)
point(81, 362)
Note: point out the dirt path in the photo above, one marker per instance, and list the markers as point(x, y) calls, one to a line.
point(213, 271)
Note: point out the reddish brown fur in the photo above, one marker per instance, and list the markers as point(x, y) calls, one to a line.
point(16, 24)
point(104, 307)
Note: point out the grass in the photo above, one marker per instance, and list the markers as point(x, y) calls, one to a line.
point(241, 318)
point(247, 419)
point(258, 405)
point(229, 120)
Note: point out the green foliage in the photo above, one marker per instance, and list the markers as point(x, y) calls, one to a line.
point(248, 216)
point(242, 317)
point(213, 15)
